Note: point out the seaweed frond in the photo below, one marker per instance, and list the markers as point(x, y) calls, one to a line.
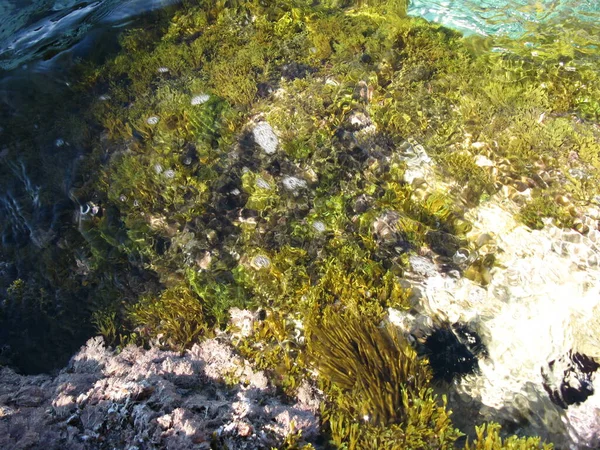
point(488, 438)
point(177, 315)
point(379, 386)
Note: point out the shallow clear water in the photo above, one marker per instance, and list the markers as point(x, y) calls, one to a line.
point(35, 200)
point(46, 209)
point(38, 29)
point(503, 17)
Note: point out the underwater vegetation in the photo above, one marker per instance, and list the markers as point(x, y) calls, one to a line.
point(378, 379)
point(488, 437)
point(47, 292)
point(381, 395)
point(287, 159)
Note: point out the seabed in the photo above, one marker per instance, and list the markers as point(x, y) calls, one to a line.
point(375, 209)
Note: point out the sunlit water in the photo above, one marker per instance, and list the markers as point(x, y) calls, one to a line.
point(539, 309)
point(39, 42)
point(503, 17)
point(38, 29)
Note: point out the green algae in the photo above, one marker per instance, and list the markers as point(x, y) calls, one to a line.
point(193, 200)
point(545, 206)
point(306, 70)
point(488, 437)
point(378, 379)
point(177, 315)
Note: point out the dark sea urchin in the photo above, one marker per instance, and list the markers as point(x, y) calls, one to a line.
point(453, 351)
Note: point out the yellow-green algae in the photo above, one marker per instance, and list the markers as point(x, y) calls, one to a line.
point(173, 189)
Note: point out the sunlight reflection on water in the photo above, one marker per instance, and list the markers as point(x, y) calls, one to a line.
point(506, 17)
point(34, 29)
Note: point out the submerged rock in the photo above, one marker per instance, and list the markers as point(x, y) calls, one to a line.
point(261, 262)
point(319, 226)
point(538, 320)
point(295, 70)
point(200, 99)
point(568, 379)
point(442, 243)
point(385, 226)
point(265, 137)
point(419, 165)
point(294, 184)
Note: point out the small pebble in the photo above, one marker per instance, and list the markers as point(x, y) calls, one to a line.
point(319, 226)
point(262, 184)
point(261, 262)
point(200, 99)
point(461, 256)
point(293, 183)
point(482, 161)
point(265, 137)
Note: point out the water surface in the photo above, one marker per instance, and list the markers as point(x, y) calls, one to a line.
point(38, 29)
point(39, 162)
point(503, 17)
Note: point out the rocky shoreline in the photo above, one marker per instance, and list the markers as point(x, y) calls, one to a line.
point(152, 399)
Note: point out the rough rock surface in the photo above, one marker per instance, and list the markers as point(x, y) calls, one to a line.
point(150, 399)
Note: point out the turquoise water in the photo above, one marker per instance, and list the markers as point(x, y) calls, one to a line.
point(502, 17)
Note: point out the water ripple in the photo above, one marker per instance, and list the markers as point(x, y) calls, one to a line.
point(503, 17)
point(39, 29)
